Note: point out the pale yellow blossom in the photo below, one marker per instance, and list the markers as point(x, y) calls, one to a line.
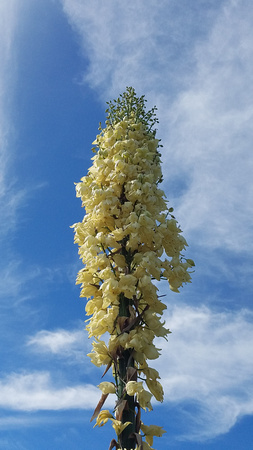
point(119, 426)
point(155, 388)
point(107, 388)
point(99, 354)
point(150, 431)
point(144, 397)
point(103, 418)
point(132, 387)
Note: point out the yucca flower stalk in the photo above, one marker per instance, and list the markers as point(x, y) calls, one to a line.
point(127, 239)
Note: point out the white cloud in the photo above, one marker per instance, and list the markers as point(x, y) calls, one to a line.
point(35, 391)
point(210, 134)
point(72, 345)
point(196, 65)
point(207, 363)
point(56, 341)
point(136, 44)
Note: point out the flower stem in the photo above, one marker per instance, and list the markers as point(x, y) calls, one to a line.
point(125, 441)
point(126, 438)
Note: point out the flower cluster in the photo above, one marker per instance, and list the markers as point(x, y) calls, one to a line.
point(127, 239)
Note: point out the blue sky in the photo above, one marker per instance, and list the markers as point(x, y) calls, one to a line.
point(61, 60)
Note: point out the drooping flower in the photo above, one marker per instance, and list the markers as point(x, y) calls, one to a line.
point(150, 431)
point(107, 388)
point(144, 397)
point(132, 387)
point(118, 426)
point(103, 418)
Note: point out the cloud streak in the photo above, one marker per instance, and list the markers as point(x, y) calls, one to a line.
point(9, 197)
point(136, 44)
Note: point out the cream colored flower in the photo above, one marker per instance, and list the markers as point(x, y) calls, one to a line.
point(132, 387)
point(144, 397)
point(119, 426)
point(107, 388)
point(99, 354)
point(103, 417)
point(155, 388)
point(127, 285)
point(151, 352)
point(150, 431)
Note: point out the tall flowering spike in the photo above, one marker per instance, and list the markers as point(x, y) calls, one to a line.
point(128, 238)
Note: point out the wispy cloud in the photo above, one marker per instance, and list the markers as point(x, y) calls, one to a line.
point(207, 362)
point(200, 82)
point(210, 135)
point(9, 197)
point(56, 341)
point(136, 44)
point(17, 282)
point(13, 282)
point(36, 391)
point(71, 345)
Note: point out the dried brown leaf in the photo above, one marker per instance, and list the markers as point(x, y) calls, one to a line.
point(99, 406)
point(122, 322)
point(135, 321)
point(131, 374)
point(107, 368)
point(120, 408)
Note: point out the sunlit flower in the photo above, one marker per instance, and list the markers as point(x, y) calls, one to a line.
point(103, 417)
point(107, 388)
point(119, 426)
point(132, 387)
point(144, 397)
point(99, 354)
point(155, 388)
point(150, 431)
